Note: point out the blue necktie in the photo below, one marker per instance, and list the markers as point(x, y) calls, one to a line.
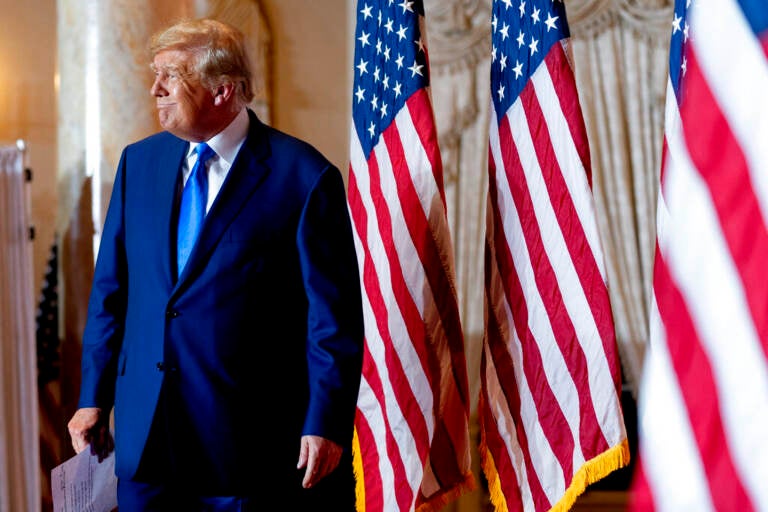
point(193, 201)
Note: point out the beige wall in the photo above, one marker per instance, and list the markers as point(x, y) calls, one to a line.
point(311, 74)
point(28, 107)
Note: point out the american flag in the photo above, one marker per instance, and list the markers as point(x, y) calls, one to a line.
point(550, 416)
point(412, 448)
point(703, 401)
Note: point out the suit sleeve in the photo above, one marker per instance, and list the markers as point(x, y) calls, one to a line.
point(105, 321)
point(335, 319)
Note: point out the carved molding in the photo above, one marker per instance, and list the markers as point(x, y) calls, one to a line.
point(459, 33)
point(649, 19)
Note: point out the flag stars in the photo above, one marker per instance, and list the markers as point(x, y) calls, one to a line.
point(518, 69)
point(676, 24)
point(534, 46)
point(504, 32)
point(372, 130)
point(685, 32)
point(420, 44)
point(376, 73)
point(401, 33)
point(503, 62)
point(399, 61)
point(416, 69)
point(500, 92)
point(386, 54)
point(550, 22)
point(364, 39)
point(493, 54)
point(360, 94)
point(362, 67)
point(398, 89)
point(383, 110)
point(366, 12)
point(520, 39)
point(407, 6)
point(684, 66)
point(522, 9)
point(507, 3)
point(378, 47)
point(388, 26)
point(535, 15)
point(385, 82)
point(375, 102)
point(494, 22)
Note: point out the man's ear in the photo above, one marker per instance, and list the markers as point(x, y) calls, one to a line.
point(223, 93)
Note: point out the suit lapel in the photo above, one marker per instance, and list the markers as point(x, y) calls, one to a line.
point(246, 174)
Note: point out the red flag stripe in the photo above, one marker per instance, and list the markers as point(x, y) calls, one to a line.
point(569, 124)
point(503, 287)
point(525, 301)
point(439, 307)
point(718, 305)
point(699, 391)
point(397, 352)
point(380, 338)
point(733, 195)
point(564, 84)
point(570, 313)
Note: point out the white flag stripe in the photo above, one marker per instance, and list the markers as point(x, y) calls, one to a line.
point(369, 405)
point(721, 314)
point(672, 466)
point(415, 280)
point(370, 409)
point(406, 352)
point(398, 423)
point(418, 162)
point(575, 302)
point(506, 428)
point(736, 69)
point(554, 365)
point(550, 475)
point(569, 160)
point(539, 448)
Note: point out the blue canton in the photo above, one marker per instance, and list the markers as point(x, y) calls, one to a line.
point(390, 64)
point(522, 32)
point(680, 35)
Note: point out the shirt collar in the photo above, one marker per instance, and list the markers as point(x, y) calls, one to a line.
point(227, 142)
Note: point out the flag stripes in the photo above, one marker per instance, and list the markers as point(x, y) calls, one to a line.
point(705, 387)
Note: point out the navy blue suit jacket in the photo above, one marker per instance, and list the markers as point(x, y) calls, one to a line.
point(264, 323)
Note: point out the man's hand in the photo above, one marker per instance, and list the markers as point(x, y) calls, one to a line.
point(90, 426)
point(320, 456)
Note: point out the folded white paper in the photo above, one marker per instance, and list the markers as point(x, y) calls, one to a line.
point(83, 484)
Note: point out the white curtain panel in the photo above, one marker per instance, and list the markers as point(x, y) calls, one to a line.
point(620, 50)
point(19, 429)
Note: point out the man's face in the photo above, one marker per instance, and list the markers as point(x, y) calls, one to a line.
point(184, 106)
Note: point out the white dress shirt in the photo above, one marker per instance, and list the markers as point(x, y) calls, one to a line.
point(226, 144)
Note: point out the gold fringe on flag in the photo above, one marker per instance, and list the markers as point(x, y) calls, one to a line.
point(593, 470)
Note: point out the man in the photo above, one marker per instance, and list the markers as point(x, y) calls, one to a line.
point(230, 353)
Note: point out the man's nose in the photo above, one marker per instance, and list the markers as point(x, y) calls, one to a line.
point(157, 88)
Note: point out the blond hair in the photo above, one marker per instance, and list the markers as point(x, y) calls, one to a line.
point(219, 53)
